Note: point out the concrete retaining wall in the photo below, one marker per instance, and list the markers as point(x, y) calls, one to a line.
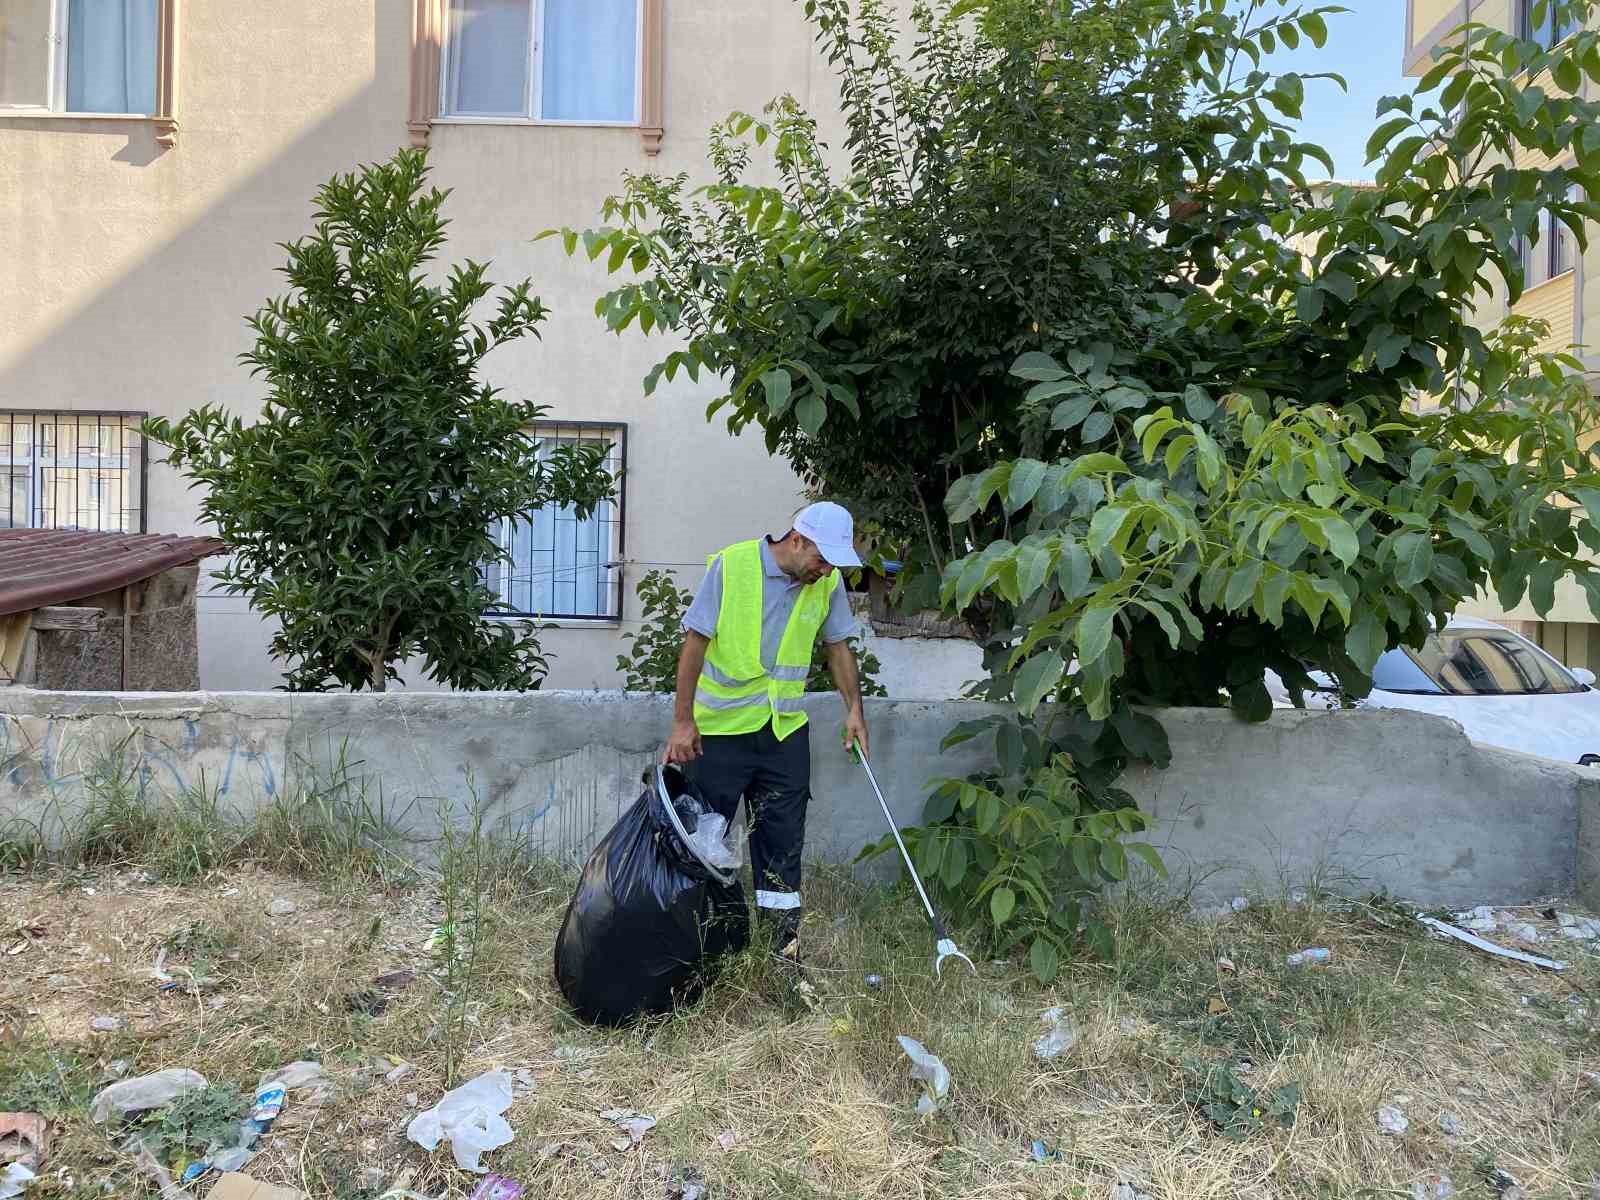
point(1359, 800)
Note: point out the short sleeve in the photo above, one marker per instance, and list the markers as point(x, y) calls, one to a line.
point(840, 623)
point(701, 615)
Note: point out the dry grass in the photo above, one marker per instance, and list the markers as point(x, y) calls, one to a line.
point(763, 1103)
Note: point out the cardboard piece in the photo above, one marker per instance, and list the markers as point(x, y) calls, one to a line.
point(234, 1186)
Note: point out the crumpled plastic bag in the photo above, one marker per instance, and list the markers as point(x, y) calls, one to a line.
point(710, 841)
point(935, 1076)
point(145, 1092)
point(14, 1180)
point(468, 1117)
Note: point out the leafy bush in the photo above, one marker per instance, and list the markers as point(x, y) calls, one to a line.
point(359, 509)
point(1118, 385)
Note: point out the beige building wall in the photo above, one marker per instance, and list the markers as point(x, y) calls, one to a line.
point(127, 268)
point(1570, 302)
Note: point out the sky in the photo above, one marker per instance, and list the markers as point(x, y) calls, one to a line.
point(1365, 45)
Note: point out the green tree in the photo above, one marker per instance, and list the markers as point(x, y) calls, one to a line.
point(1120, 387)
point(359, 509)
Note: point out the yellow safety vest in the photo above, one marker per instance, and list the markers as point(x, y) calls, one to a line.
point(735, 693)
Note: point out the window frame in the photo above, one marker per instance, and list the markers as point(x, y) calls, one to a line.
point(533, 80)
point(165, 115)
point(136, 507)
point(1553, 234)
point(615, 432)
point(1528, 33)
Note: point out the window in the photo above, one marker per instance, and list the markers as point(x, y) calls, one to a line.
point(1490, 662)
point(563, 567)
point(71, 471)
point(1538, 22)
point(80, 56)
point(543, 60)
point(1555, 253)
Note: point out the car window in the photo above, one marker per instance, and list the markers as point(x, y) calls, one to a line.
point(1397, 672)
point(1490, 662)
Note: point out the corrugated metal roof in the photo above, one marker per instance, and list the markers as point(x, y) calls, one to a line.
point(55, 566)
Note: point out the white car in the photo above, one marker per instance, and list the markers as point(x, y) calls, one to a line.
point(1500, 687)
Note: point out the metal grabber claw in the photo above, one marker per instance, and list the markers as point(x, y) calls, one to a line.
point(944, 947)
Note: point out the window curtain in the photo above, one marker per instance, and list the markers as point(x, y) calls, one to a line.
point(111, 56)
point(488, 68)
point(590, 60)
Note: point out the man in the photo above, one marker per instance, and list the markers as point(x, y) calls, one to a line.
point(747, 647)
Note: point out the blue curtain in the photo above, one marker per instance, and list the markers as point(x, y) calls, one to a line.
point(111, 56)
point(590, 60)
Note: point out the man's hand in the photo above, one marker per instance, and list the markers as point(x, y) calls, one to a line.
point(855, 731)
point(684, 744)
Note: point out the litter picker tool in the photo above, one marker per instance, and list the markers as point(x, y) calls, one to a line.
point(944, 947)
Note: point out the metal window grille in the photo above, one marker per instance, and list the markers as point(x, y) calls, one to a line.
point(562, 567)
point(72, 470)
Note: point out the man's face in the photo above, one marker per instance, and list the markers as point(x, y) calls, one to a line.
point(811, 565)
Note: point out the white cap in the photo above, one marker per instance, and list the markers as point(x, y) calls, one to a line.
point(830, 527)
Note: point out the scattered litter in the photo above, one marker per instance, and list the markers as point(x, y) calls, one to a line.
point(522, 1082)
point(411, 1099)
point(1579, 929)
point(727, 1140)
point(14, 1180)
point(1238, 904)
point(228, 893)
point(282, 906)
point(1061, 1036)
point(225, 1159)
point(160, 969)
point(107, 1024)
point(1123, 1190)
point(1298, 896)
point(1433, 1187)
point(1392, 1121)
point(1316, 954)
point(294, 1076)
point(1450, 1124)
point(396, 981)
point(242, 1187)
point(370, 1179)
point(58, 982)
point(469, 1118)
point(1501, 1182)
point(874, 981)
point(168, 1190)
point(635, 1125)
point(933, 1074)
point(399, 1073)
point(24, 1139)
point(1244, 1066)
point(1226, 964)
point(1447, 930)
point(1216, 1006)
point(497, 1187)
point(691, 1185)
point(1127, 1026)
point(144, 1092)
point(1524, 932)
point(1043, 1154)
point(117, 1068)
point(1480, 920)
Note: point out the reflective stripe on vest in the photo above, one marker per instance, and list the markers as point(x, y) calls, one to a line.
point(735, 693)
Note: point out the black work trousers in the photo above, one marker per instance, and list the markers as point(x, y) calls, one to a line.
point(775, 780)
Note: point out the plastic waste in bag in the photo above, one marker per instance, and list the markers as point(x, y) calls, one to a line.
point(468, 1117)
point(14, 1180)
point(651, 915)
point(710, 842)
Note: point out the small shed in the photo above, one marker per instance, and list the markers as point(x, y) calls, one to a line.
point(89, 611)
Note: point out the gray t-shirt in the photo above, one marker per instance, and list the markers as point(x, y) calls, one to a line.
point(778, 595)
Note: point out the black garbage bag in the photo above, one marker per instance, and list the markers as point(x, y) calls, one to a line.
point(649, 919)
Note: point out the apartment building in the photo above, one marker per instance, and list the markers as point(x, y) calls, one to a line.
point(1563, 289)
point(154, 152)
